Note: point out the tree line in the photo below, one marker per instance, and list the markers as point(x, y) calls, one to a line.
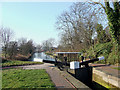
point(22, 47)
point(83, 27)
point(87, 24)
point(13, 49)
point(80, 24)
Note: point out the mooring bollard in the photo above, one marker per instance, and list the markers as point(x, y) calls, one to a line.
point(82, 57)
point(65, 59)
point(55, 60)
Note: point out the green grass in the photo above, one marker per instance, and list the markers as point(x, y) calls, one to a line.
point(48, 53)
point(19, 78)
point(118, 68)
point(6, 63)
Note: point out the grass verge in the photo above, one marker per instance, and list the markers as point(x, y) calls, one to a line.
point(19, 78)
point(6, 63)
point(118, 68)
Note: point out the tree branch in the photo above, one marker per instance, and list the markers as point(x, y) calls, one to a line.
point(98, 3)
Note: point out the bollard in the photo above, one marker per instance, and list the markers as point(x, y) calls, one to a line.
point(65, 59)
point(55, 60)
point(82, 58)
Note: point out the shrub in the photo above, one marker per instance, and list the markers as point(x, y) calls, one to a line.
point(104, 49)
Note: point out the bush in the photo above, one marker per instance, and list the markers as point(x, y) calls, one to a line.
point(104, 49)
point(114, 56)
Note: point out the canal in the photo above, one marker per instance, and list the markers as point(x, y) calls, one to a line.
point(38, 57)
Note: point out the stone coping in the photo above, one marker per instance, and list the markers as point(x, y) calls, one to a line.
point(109, 78)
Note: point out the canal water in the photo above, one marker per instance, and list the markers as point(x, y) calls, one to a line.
point(40, 57)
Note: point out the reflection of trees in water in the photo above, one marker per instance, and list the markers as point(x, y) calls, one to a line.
point(35, 55)
point(42, 55)
point(39, 55)
point(46, 57)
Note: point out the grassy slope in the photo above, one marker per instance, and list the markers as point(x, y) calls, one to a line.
point(18, 78)
point(118, 68)
point(106, 50)
point(16, 63)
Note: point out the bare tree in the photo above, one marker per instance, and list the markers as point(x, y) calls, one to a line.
point(12, 49)
point(6, 35)
point(47, 45)
point(22, 41)
point(38, 48)
point(77, 25)
point(112, 10)
point(25, 47)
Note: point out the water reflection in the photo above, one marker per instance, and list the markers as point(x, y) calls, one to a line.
point(41, 56)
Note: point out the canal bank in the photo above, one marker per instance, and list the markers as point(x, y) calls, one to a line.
point(106, 75)
point(61, 79)
point(98, 76)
